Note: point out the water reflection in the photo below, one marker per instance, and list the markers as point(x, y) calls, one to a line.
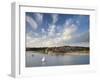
point(34, 59)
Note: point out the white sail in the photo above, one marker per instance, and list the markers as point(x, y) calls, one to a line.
point(43, 59)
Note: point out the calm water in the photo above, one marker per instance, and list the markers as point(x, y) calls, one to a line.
point(33, 59)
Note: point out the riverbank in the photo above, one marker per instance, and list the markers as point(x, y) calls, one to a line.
point(63, 54)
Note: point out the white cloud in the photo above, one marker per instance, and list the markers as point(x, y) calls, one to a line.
point(38, 17)
point(36, 34)
point(54, 18)
point(44, 42)
point(28, 38)
point(32, 22)
point(52, 26)
point(52, 38)
point(58, 34)
point(78, 22)
point(69, 29)
point(49, 41)
point(43, 31)
point(68, 22)
point(51, 30)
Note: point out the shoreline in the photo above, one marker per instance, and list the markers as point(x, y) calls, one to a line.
point(73, 54)
point(64, 54)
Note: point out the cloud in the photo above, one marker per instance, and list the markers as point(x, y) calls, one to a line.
point(68, 22)
point(52, 26)
point(66, 34)
point(69, 29)
point(28, 37)
point(43, 31)
point(77, 22)
point(83, 37)
point(45, 42)
point(83, 44)
point(54, 18)
point(38, 17)
point(53, 38)
point(32, 22)
point(51, 30)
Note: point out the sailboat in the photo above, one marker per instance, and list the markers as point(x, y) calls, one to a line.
point(43, 59)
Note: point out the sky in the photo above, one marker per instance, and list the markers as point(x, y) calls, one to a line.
point(53, 30)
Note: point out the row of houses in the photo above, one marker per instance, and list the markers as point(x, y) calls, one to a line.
point(62, 49)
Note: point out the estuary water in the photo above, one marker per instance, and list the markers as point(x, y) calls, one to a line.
point(34, 59)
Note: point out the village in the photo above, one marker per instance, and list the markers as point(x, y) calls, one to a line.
point(60, 50)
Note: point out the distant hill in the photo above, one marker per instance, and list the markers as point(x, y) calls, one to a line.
point(59, 50)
